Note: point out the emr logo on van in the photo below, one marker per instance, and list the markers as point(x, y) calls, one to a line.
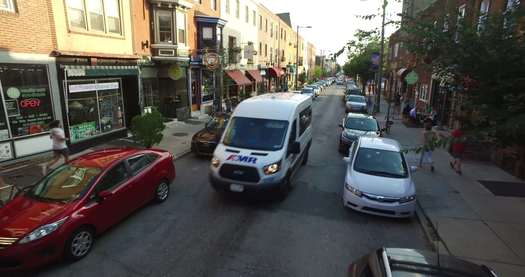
point(242, 159)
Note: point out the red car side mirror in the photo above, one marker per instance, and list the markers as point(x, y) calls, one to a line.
point(105, 194)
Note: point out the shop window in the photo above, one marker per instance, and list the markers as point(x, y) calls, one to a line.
point(7, 5)
point(94, 107)
point(27, 100)
point(208, 86)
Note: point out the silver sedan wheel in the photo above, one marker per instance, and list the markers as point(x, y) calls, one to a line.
point(163, 191)
point(81, 244)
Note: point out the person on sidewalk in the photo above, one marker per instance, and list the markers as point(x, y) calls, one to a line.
point(458, 148)
point(60, 149)
point(429, 141)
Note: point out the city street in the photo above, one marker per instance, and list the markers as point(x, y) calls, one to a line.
point(199, 232)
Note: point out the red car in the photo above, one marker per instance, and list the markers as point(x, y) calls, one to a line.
point(61, 215)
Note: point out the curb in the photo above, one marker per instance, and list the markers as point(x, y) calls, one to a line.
point(182, 155)
point(430, 231)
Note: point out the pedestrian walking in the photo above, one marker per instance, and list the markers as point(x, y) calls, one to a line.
point(60, 149)
point(429, 142)
point(458, 148)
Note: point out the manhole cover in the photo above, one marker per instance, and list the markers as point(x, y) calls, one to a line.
point(180, 134)
point(193, 122)
point(512, 189)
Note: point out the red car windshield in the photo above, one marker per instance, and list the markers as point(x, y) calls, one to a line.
point(64, 184)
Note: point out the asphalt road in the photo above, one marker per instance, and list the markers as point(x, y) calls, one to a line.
point(198, 232)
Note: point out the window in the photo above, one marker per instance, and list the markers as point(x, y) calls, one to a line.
point(7, 5)
point(214, 5)
point(232, 44)
point(423, 93)
point(260, 48)
point(101, 16)
point(271, 30)
point(136, 164)
point(256, 133)
point(254, 18)
point(260, 22)
point(113, 16)
point(238, 9)
point(271, 54)
point(483, 15)
point(284, 35)
point(227, 6)
point(113, 178)
point(165, 26)
point(266, 50)
point(396, 49)
point(459, 21)
point(305, 119)
point(27, 99)
point(445, 23)
point(293, 136)
point(266, 25)
point(509, 22)
point(181, 27)
point(96, 15)
point(75, 9)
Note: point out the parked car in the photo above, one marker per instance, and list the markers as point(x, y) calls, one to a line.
point(356, 103)
point(267, 139)
point(354, 126)
point(205, 140)
point(352, 90)
point(310, 91)
point(378, 180)
point(405, 262)
point(61, 214)
point(315, 87)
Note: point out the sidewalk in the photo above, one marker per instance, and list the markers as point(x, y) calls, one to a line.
point(470, 221)
point(177, 140)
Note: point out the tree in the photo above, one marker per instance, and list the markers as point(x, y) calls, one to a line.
point(359, 57)
point(319, 72)
point(489, 78)
point(147, 128)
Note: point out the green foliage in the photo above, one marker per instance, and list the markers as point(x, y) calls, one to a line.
point(319, 72)
point(302, 77)
point(486, 69)
point(147, 128)
point(360, 54)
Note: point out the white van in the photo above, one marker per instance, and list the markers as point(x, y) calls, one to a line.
point(267, 138)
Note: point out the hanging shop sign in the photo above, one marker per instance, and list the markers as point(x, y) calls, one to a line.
point(412, 78)
point(211, 60)
point(175, 72)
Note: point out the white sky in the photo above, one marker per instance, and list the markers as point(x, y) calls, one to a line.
point(333, 21)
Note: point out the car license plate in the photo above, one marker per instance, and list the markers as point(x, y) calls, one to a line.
point(236, 188)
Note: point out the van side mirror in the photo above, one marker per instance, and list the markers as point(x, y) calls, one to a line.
point(347, 159)
point(294, 148)
point(413, 168)
point(341, 125)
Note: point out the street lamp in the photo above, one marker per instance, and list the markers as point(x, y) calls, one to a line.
point(297, 54)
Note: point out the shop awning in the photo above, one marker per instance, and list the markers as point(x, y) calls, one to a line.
point(238, 77)
point(100, 70)
point(255, 75)
point(276, 72)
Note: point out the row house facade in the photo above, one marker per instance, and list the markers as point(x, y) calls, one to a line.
point(95, 64)
point(428, 93)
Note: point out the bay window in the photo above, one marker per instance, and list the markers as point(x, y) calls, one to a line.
point(170, 26)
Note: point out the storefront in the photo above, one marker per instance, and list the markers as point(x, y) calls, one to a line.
point(26, 109)
point(257, 80)
point(275, 78)
point(236, 85)
point(98, 102)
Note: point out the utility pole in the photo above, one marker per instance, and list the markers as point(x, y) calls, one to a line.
point(297, 54)
point(382, 52)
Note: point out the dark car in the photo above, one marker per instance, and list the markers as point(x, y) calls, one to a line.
point(410, 262)
point(204, 142)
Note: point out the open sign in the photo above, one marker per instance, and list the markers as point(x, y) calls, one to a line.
point(30, 103)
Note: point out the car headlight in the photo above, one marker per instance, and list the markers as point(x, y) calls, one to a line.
point(407, 199)
point(272, 168)
point(353, 190)
point(43, 231)
point(215, 162)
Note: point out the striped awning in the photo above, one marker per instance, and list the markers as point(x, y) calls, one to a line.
point(100, 70)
